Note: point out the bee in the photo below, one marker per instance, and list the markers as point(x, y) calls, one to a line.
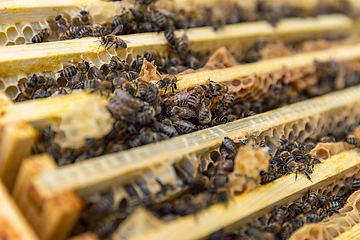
point(287, 157)
point(355, 184)
point(118, 65)
point(159, 19)
point(142, 87)
point(182, 44)
point(170, 37)
point(27, 89)
point(103, 205)
point(139, 62)
point(184, 127)
point(119, 110)
point(248, 113)
point(148, 27)
point(62, 22)
point(41, 36)
point(222, 119)
point(145, 117)
point(230, 145)
point(111, 40)
point(92, 84)
point(40, 93)
point(297, 154)
point(97, 73)
point(286, 230)
point(192, 62)
point(167, 129)
point(310, 201)
point(64, 90)
point(83, 18)
point(352, 141)
point(300, 167)
point(204, 112)
point(40, 80)
point(183, 112)
point(266, 177)
point(128, 100)
point(228, 100)
point(327, 139)
point(83, 32)
point(120, 19)
point(139, 15)
point(194, 97)
point(276, 220)
point(333, 206)
point(168, 81)
point(99, 31)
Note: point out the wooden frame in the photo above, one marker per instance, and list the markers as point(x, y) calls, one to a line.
point(52, 218)
point(13, 224)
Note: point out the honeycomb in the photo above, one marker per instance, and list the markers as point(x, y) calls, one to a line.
point(326, 150)
point(338, 223)
point(88, 120)
point(21, 33)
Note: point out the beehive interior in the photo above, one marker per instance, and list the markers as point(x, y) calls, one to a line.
point(208, 176)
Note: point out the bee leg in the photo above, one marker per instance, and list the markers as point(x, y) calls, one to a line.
point(296, 175)
point(75, 79)
point(308, 176)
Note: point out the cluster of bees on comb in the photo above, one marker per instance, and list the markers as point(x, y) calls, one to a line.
point(146, 17)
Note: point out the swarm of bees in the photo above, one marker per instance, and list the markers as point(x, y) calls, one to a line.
point(146, 17)
point(283, 221)
point(290, 157)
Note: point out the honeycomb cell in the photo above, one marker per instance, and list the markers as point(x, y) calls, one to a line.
point(22, 80)
point(20, 41)
point(2, 85)
point(61, 81)
point(12, 33)
point(236, 83)
point(9, 44)
point(11, 91)
point(3, 39)
point(105, 57)
point(99, 19)
point(28, 33)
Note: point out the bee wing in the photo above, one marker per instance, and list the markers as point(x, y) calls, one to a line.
point(118, 29)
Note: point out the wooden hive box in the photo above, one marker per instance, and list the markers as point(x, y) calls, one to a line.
point(52, 198)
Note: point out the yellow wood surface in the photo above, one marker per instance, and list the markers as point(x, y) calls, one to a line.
point(13, 225)
point(52, 218)
point(49, 56)
point(84, 236)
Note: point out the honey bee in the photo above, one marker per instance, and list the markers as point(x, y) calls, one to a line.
point(40, 80)
point(84, 32)
point(103, 205)
point(99, 31)
point(62, 22)
point(159, 19)
point(183, 112)
point(204, 112)
point(104, 229)
point(310, 201)
point(142, 87)
point(27, 89)
point(83, 18)
point(355, 184)
point(327, 139)
point(182, 44)
point(111, 40)
point(184, 127)
point(145, 117)
point(222, 119)
point(41, 36)
point(148, 27)
point(168, 129)
point(230, 145)
point(128, 100)
point(300, 167)
point(75, 71)
point(64, 90)
point(170, 37)
point(352, 141)
point(195, 96)
point(286, 230)
point(118, 65)
point(97, 73)
point(40, 93)
point(266, 177)
point(120, 19)
point(139, 15)
point(119, 110)
point(168, 81)
point(248, 113)
point(276, 220)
